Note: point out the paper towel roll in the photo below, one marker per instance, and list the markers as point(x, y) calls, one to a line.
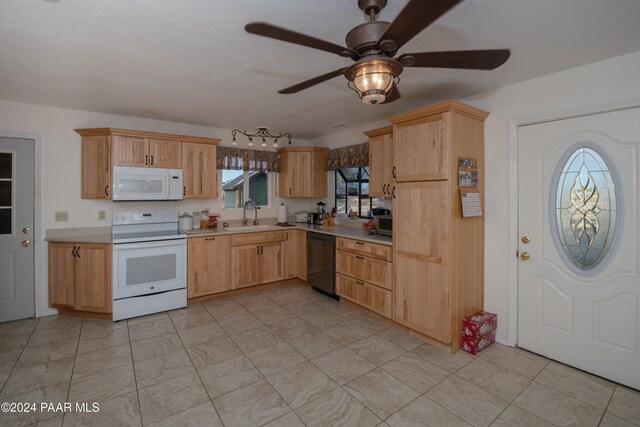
point(282, 213)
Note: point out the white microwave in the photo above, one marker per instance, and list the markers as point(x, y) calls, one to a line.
point(146, 184)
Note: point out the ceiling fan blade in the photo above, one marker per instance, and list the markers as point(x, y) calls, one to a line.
point(267, 30)
point(312, 82)
point(466, 59)
point(415, 17)
point(393, 96)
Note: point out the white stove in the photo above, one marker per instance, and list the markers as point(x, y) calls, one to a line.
point(149, 263)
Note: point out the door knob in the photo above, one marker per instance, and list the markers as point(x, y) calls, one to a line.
point(525, 256)
point(526, 239)
point(26, 243)
point(26, 230)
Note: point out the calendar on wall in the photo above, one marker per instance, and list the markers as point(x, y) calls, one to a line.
point(468, 185)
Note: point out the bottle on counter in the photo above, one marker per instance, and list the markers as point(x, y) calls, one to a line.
point(196, 219)
point(204, 219)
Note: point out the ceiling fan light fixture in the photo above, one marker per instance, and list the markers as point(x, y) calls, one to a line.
point(373, 79)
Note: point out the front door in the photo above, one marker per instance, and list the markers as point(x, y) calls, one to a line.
point(578, 284)
point(16, 228)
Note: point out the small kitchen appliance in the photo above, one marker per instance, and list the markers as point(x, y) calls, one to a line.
point(146, 184)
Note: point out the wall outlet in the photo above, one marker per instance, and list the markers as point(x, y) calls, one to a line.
point(62, 216)
point(102, 215)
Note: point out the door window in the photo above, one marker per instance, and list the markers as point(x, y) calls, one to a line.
point(586, 208)
point(6, 192)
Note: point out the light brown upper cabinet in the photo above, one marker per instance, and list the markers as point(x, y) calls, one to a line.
point(96, 167)
point(420, 149)
point(146, 152)
point(302, 172)
point(437, 255)
point(103, 148)
point(199, 175)
point(380, 162)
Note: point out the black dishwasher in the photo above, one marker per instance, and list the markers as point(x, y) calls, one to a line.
point(321, 263)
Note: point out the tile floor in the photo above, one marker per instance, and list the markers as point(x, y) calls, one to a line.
point(286, 357)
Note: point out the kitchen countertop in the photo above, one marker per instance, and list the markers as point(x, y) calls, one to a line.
point(103, 234)
point(79, 235)
point(358, 233)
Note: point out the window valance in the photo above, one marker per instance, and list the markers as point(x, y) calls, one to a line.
point(248, 160)
point(346, 157)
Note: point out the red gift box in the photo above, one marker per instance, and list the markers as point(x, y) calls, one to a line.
point(475, 345)
point(479, 325)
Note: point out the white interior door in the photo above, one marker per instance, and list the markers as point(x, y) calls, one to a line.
point(16, 228)
point(578, 223)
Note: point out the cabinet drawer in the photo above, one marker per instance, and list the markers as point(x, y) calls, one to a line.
point(371, 270)
point(364, 294)
point(249, 238)
point(365, 248)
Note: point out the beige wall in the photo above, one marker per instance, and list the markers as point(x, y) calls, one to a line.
point(613, 81)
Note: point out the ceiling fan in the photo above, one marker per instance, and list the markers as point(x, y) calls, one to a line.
point(373, 44)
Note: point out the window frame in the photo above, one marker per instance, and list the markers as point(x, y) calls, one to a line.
point(359, 181)
point(246, 182)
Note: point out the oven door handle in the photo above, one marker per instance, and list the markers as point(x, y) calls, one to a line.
point(147, 245)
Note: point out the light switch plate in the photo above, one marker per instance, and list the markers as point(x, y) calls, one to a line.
point(62, 216)
point(102, 215)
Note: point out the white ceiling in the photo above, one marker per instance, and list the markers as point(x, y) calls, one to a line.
point(191, 60)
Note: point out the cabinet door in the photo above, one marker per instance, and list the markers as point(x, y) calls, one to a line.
point(284, 186)
point(300, 170)
point(164, 153)
point(420, 149)
point(302, 254)
point(208, 265)
point(61, 263)
point(199, 171)
point(245, 262)
point(92, 278)
point(421, 246)
point(96, 167)
point(380, 166)
point(130, 151)
point(291, 254)
point(271, 262)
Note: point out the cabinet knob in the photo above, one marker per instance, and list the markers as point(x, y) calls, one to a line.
point(524, 256)
point(26, 230)
point(26, 243)
point(526, 240)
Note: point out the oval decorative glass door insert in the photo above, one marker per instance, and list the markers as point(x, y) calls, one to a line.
point(586, 208)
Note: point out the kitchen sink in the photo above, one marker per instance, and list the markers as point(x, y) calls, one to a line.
point(249, 227)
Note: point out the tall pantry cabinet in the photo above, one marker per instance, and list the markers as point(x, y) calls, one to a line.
point(438, 255)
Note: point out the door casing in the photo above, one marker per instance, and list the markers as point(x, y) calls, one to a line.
point(514, 124)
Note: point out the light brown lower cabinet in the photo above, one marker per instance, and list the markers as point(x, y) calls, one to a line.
point(80, 276)
point(257, 258)
point(295, 254)
point(364, 274)
point(360, 292)
point(208, 265)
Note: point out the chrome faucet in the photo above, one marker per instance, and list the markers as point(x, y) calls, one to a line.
point(249, 204)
